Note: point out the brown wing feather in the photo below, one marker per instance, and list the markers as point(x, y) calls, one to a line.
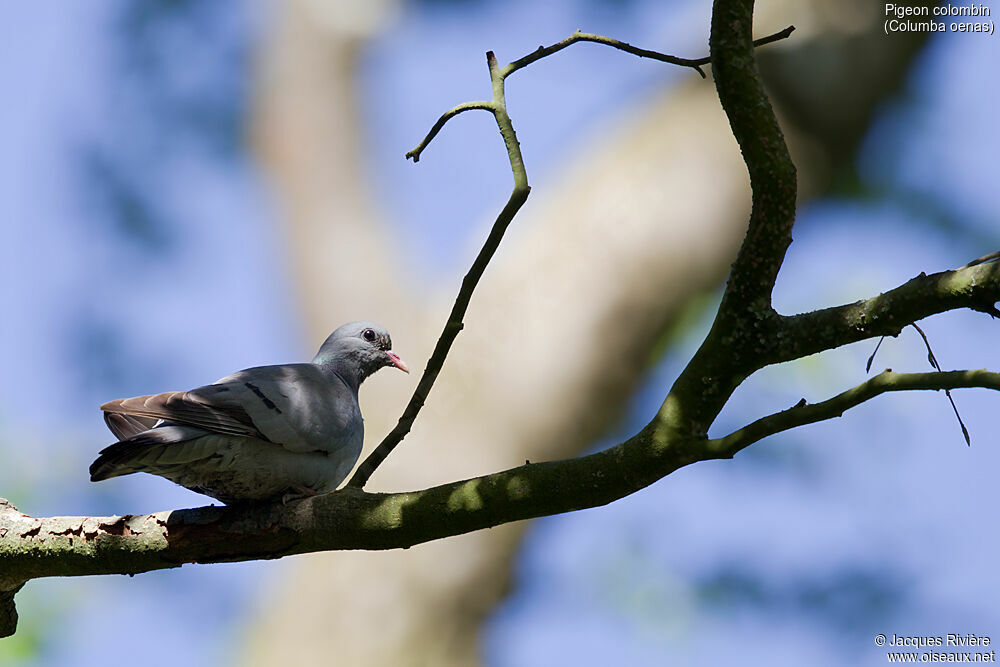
point(183, 408)
point(125, 426)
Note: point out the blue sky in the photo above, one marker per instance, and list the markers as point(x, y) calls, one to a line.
point(801, 549)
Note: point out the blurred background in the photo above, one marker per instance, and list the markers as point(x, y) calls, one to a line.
point(190, 188)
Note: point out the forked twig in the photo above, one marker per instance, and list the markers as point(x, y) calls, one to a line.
point(498, 107)
point(543, 51)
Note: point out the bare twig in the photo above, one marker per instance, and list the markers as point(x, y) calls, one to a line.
point(992, 257)
point(936, 366)
point(445, 117)
point(543, 51)
point(931, 359)
point(498, 107)
point(868, 366)
point(578, 36)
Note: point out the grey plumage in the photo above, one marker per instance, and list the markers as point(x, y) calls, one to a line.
point(261, 434)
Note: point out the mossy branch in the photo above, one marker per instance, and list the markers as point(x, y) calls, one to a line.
point(809, 413)
point(975, 286)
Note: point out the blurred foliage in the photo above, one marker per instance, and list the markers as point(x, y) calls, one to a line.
point(852, 599)
point(207, 104)
point(172, 89)
point(102, 357)
point(788, 457)
point(830, 87)
point(165, 112)
point(633, 580)
point(121, 198)
point(637, 578)
point(928, 210)
point(36, 618)
point(26, 644)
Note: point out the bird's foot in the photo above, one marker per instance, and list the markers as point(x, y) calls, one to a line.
point(297, 493)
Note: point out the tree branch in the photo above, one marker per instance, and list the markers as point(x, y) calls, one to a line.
point(805, 413)
point(578, 36)
point(727, 355)
point(991, 257)
point(347, 519)
point(772, 173)
point(976, 287)
point(414, 154)
point(354, 519)
point(498, 107)
point(8, 611)
point(936, 366)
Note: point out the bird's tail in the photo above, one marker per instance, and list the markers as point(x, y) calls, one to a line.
point(148, 451)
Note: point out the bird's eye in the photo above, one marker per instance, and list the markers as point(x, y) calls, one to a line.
point(368, 335)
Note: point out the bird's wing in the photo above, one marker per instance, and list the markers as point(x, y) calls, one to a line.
point(180, 407)
point(125, 426)
point(296, 406)
point(304, 408)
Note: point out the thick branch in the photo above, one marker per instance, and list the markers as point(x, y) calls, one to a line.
point(772, 173)
point(348, 519)
point(745, 317)
point(352, 519)
point(805, 413)
point(976, 287)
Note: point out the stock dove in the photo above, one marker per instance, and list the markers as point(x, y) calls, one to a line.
point(262, 434)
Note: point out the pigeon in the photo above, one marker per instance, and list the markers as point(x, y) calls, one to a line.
point(260, 435)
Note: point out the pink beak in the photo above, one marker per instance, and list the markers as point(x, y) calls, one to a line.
point(397, 362)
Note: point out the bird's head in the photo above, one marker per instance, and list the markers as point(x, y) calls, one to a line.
point(359, 349)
